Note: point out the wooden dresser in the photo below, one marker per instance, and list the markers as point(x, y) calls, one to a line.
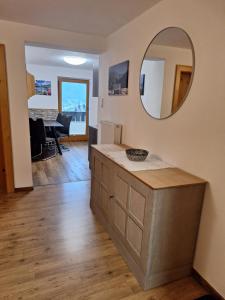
point(152, 216)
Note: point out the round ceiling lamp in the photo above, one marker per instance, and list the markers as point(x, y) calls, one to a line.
point(75, 60)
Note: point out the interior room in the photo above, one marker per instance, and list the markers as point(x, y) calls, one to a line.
point(112, 141)
point(61, 93)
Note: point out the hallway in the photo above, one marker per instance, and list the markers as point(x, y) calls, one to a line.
point(52, 247)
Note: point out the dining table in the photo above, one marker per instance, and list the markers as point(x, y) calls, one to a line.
point(52, 125)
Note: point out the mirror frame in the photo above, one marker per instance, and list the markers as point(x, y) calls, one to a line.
point(192, 75)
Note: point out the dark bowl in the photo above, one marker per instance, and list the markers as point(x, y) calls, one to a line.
point(136, 154)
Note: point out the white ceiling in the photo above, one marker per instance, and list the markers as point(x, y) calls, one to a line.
point(99, 17)
point(173, 37)
point(54, 57)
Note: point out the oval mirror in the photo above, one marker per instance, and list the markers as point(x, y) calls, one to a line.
point(166, 72)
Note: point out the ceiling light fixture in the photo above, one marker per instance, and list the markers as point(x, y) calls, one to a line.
point(75, 60)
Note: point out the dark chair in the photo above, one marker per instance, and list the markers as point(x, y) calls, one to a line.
point(35, 139)
point(65, 121)
point(41, 146)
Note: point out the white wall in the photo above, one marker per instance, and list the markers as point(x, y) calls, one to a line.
point(93, 112)
point(173, 56)
point(14, 36)
point(194, 137)
point(52, 73)
point(153, 88)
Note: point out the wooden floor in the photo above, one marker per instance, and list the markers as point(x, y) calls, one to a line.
point(52, 247)
point(70, 167)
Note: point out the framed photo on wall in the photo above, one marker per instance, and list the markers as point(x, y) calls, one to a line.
point(142, 84)
point(43, 87)
point(118, 79)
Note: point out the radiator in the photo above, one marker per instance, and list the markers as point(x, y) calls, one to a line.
point(111, 133)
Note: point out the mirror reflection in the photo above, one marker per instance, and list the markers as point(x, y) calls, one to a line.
point(166, 72)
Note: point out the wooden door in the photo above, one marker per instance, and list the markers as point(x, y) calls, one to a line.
point(77, 106)
point(2, 177)
point(6, 163)
point(182, 82)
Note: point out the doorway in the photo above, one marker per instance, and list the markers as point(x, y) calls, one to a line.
point(73, 101)
point(183, 77)
point(59, 87)
point(6, 162)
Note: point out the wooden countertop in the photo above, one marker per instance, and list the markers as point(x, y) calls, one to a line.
point(156, 179)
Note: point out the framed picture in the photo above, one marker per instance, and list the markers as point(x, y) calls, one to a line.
point(142, 84)
point(118, 79)
point(43, 87)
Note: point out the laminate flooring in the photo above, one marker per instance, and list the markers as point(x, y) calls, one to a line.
point(72, 166)
point(52, 247)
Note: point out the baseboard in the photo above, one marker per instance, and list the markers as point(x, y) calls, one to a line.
point(206, 285)
point(24, 189)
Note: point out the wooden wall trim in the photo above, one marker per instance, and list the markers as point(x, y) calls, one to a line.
point(5, 124)
point(206, 285)
point(24, 189)
point(30, 85)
